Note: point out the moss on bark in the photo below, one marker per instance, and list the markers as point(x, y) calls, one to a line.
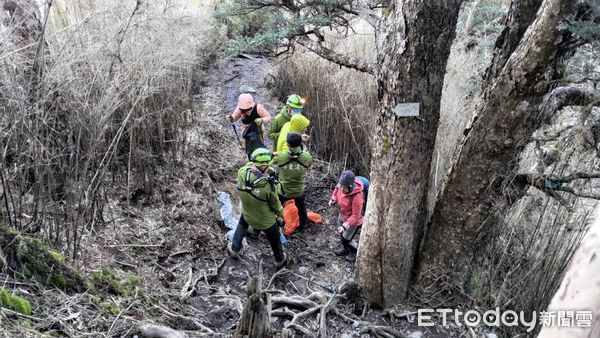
point(30, 258)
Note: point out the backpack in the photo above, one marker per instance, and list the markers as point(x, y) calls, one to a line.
point(294, 157)
point(366, 184)
point(250, 185)
point(252, 136)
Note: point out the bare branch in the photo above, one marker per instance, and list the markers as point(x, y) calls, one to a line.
point(551, 184)
point(335, 57)
point(366, 12)
point(579, 193)
point(568, 96)
point(574, 176)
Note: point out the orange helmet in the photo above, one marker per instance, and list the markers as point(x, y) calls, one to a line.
point(245, 101)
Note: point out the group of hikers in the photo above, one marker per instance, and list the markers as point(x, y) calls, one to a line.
point(271, 178)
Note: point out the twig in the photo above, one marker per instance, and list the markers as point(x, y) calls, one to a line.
point(126, 264)
point(119, 316)
point(180, 253)
point(302, 329)
point(132, 245)
point(275, 275)
point(176, 315)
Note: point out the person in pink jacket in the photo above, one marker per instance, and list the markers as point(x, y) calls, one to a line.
point(348, 195)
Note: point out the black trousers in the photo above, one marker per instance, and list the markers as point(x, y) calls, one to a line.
point(273, 235)
point(301, 205)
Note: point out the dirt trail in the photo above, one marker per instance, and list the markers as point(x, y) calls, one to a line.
point(310, 252)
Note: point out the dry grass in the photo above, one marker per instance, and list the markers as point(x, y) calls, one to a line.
point(341, 103)
point(111, 101)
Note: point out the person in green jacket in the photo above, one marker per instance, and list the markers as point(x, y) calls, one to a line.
point(293, 165)
point(298, 124)
point(260, 205)
point(294, 105)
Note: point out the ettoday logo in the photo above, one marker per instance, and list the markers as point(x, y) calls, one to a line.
point(497, 318)
point(473, 318)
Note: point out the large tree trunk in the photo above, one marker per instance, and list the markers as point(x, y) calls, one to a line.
point(506, 117)
point(412, 55)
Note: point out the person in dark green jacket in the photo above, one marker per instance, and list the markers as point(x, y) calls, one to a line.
point(293, 165)
point(260, 205)
point(294, 105)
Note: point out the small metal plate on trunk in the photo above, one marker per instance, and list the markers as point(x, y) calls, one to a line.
point(407, 110)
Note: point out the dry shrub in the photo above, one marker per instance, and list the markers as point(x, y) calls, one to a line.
point(529, 248)
point(109, 94)
point(341, 103)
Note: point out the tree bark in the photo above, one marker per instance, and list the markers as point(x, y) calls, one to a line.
point(412, 54)
point(255, 321)
point(520, 16)
point(506, 117)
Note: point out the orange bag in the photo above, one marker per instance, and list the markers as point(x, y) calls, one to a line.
point(292, 220)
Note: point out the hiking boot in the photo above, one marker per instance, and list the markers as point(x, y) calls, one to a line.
point(342, 251)
point(351, 257)
point(282, 263)
point(232, 254)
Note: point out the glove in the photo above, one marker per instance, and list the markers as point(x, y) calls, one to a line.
point(230, 118)
point(258, 121)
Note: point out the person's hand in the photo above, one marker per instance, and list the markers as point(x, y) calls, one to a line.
point(305, 138)
point(331, 202)
point(280, 220)
point(341, 229)
point(258, 121)
point(230, 118)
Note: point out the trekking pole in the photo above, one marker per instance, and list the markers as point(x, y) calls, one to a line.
point(237, 135)
point(315, 283)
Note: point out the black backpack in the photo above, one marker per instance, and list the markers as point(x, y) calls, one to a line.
point(252, 136)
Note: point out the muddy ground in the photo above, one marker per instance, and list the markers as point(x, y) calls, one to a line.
point(168, 232)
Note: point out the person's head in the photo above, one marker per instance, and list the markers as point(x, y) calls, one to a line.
point(346, 181)
point(245, 102)
point(299, 123)
point(294, 140)
point(295, 104)
point(261, 158)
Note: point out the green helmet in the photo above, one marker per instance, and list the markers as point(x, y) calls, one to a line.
point(261, 156)
point(295, 101)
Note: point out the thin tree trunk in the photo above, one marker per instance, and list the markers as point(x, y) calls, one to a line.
point(506, 117)
point(520, 16)
point(412, 55)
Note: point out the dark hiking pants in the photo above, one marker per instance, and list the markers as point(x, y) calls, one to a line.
point(273, 235)
point(347, 236)
point(301, 205)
